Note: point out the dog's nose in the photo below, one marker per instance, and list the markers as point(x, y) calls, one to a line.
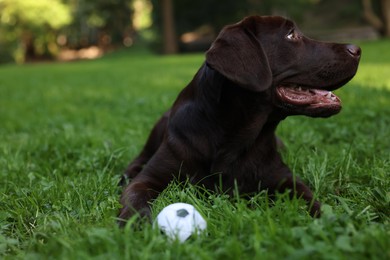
point(354, 50)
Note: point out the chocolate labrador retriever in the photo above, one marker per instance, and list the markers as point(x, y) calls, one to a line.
point(220, 131)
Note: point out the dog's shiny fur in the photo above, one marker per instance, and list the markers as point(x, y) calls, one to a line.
point(221, 128)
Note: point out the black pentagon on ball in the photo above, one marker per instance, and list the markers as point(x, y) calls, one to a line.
point(182, 213)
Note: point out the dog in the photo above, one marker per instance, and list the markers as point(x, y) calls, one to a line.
point(220, 131)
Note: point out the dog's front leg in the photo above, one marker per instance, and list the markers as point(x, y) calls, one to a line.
point(147, 185)
point(135, 199)
point(283, 180)
point(153, 143)
point(299, 189)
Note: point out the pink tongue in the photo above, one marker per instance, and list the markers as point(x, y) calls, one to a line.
point(304, 97)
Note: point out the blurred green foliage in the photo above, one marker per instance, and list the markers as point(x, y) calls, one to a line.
point(98, 22)
point(38, 28)
point(31, 23)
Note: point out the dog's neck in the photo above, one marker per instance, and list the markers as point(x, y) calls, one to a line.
point(242, 112)
point(233, 119)
point(229, 98)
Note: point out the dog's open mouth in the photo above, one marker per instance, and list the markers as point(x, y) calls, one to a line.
point(308, 101)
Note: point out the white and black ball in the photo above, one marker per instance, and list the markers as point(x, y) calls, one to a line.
point(180, 221)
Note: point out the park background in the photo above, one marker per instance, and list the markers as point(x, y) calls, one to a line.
point(33, 30)
point(83, 81)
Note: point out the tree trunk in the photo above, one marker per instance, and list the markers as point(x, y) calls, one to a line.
point(169, 34)
point(380, 23)
point(370, 16)
point(385, 4)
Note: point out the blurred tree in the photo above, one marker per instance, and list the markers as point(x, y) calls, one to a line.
point(142, 14)
point(99, 22)
point(211, 15)
point(31, 29)
point(380, 22)
point(169, 28)
point(28, 28)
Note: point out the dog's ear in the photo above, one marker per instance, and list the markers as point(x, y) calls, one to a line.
point(239, 56)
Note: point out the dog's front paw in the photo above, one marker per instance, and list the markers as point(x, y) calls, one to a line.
point(126, 213)
point(315, 209)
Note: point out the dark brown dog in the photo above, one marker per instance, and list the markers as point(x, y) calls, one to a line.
point(220, 130)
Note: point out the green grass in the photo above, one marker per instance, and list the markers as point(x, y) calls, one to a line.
point(68, 130)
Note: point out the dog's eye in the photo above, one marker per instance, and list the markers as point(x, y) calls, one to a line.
point(292, 35)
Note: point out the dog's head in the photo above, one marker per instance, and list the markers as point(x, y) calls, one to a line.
point(271, 54)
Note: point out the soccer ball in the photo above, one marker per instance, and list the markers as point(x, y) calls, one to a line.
point(180, 221)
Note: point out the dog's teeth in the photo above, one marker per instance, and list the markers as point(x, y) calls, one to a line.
point(329, 95)
point(299, 88)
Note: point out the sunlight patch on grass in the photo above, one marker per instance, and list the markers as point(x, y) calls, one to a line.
point(374, 75)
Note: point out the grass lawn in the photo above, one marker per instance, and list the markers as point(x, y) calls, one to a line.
point(68, 130)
